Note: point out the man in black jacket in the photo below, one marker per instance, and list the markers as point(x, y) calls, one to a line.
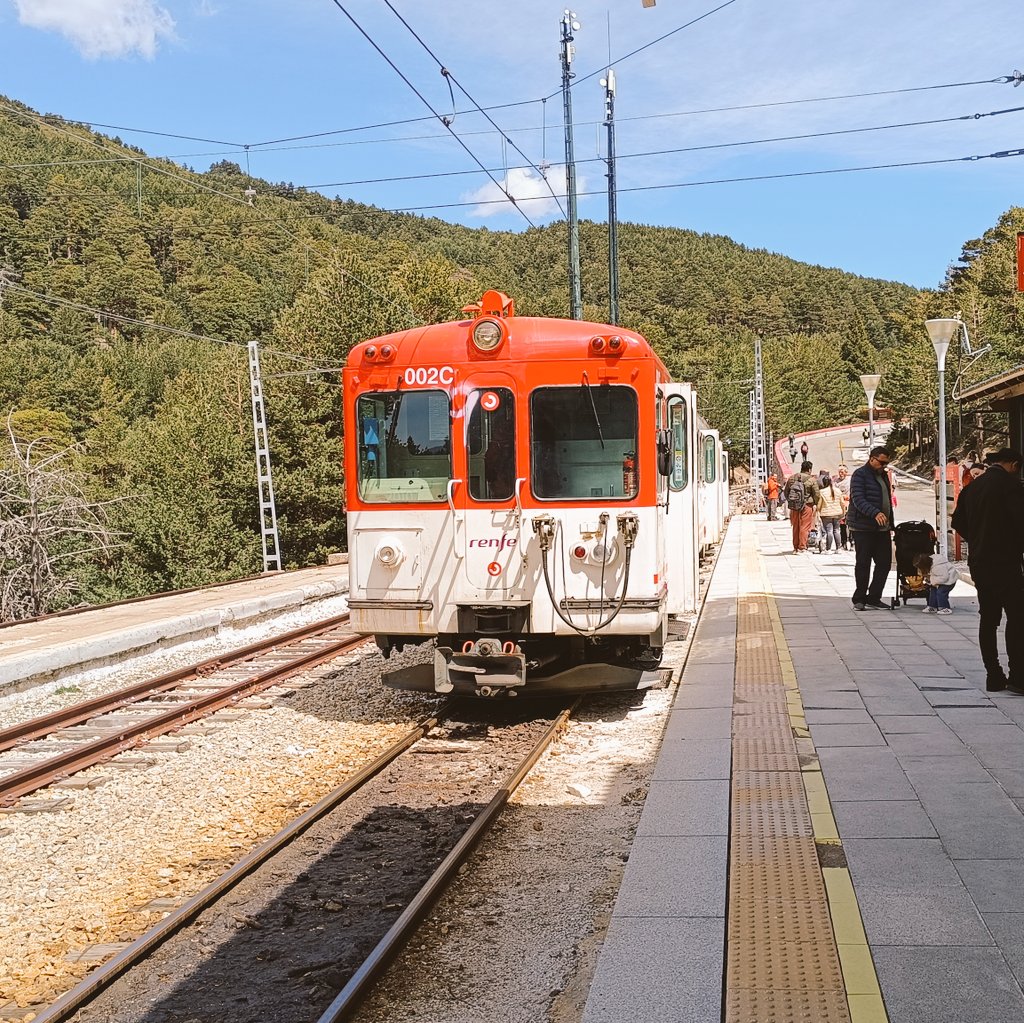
point(869, 519)
point(990, 517)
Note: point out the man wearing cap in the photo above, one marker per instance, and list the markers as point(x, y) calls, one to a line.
point(990, 517)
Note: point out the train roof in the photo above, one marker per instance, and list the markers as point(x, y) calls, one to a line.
point(537, 338)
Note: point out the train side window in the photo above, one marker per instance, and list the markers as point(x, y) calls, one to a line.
point(584, 442)
point(710, 459)
point(679, 475)
point(491, 444)
point(404, 446)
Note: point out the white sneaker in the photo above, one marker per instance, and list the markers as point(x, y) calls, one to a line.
point(945, 610)
point(928, 610)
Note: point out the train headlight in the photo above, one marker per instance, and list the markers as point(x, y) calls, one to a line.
point(389, 554)
point(579, 552)
point(487, 335)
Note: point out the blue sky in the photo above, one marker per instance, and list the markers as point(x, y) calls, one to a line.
point(248, 73)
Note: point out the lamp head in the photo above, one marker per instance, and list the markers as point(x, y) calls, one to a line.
point(870, 381)
point(941, 333)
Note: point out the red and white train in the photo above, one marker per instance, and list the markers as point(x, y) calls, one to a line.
point(531, 493)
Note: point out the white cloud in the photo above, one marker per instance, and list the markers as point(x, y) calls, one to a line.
point(101, 28)
point(527, 187)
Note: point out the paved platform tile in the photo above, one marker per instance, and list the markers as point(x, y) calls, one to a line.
point(658, 971)
point(943, 916)
point(875, 819)
point(948, 985)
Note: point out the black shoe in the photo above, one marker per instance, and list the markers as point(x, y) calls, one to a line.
point(1015, 685)
point(995, 682)
point(859, 606)
point(877, 605)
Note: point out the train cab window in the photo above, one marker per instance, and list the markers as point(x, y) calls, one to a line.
point(679, 475)
point(583, 442)
point(710, 459)
point(491, 444)
point(404, 446)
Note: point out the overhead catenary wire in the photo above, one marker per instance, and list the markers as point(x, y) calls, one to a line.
point(1016, 78)
point(158, 327)
point(427, 104)
point(450, 78)
point(154, 167)
point(712, 181)
point(691, 149)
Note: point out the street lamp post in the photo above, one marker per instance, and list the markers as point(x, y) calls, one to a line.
point(869, 381)
point(941, 333)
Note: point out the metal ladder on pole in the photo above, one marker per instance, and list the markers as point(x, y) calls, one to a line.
point(268, 511)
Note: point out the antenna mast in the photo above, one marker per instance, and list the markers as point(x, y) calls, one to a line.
point(613, 220)
point(570, 25)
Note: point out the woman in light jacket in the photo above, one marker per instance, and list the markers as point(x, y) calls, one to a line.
point(831, 508)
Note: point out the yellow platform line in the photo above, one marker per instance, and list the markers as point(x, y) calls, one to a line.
point(863, 994)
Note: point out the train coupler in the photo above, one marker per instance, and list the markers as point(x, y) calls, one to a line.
point(490, 667)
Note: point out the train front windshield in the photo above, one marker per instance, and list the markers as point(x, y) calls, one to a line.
point(583, 442)
point(405, 451)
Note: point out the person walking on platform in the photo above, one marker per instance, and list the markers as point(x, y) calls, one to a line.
point(801, 498)
point(990, 516)
point(869, 519)
point(831, 508)
point(771, 496)
point(842, 484)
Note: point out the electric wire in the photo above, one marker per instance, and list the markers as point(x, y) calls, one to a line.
point(689, 149)
point(153, 166)
point(426, 103)
point(159, 327)
point(709, 181)
point(1016, 78)
point(451, 78)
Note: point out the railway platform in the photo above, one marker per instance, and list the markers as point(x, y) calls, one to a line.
point(834, 829)
point(47, 648)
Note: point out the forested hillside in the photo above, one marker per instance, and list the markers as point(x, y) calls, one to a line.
point(149, 430)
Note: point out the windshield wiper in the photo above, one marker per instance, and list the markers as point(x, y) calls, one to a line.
point(597, 419)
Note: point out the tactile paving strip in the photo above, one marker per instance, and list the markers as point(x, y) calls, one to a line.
point(783, 964)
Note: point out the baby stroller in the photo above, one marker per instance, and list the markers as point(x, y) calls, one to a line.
point(912, 538)
point(815, 538)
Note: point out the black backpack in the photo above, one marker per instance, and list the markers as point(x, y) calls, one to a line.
point(796, 494)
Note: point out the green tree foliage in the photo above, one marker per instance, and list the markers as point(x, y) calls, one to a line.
point(161, 422)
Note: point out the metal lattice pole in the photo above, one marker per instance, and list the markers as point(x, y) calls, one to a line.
point(613, 226)
point(759, 455)
point(268, 511)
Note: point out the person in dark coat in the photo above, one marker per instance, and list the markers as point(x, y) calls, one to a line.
point(870, 523)
point(990, 516)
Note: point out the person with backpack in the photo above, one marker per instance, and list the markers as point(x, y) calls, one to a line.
point(802, 494)
point(870, 521)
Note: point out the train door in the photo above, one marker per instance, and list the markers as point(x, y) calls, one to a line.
point(681, 544)
point(492, 529)
point(710, 473)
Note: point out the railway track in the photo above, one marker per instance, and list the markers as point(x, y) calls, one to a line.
point(43, 750)
point(301, 928)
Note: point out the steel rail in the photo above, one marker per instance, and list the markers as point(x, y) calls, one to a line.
point(34, 728)
point(401, 930)
point(103, 976)
point(29, 779)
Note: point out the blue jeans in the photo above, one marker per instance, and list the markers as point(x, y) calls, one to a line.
point(830, 527)
point(938, 596)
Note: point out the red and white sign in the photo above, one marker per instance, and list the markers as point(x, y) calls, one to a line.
point(494, 569)
point(489, 401)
